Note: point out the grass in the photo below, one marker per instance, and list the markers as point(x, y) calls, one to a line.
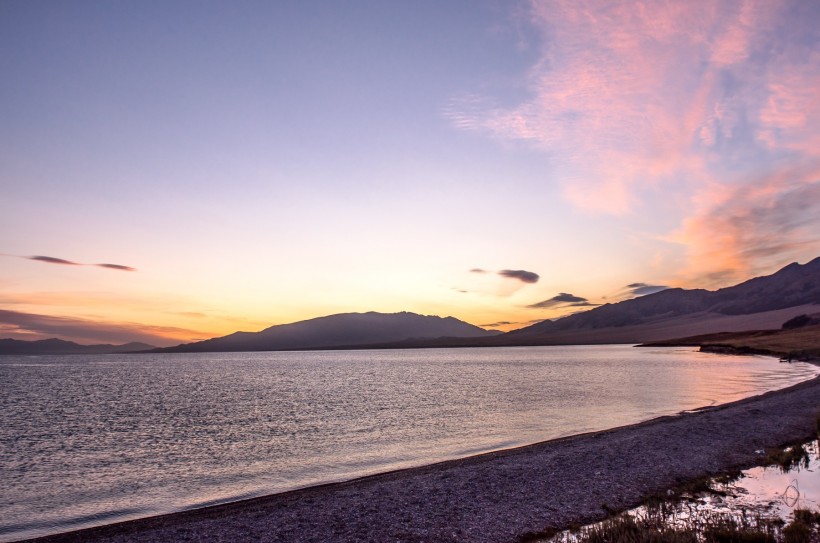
point(804, 529)
point(791, 344)
point(656, 527)
point(693, 487)
point(659, 522)
point(794, 457)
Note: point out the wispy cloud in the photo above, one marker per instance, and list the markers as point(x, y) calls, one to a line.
point(522, 275)
point(626, 99)
point(497, 283)
point(499, 323)
point(61, 261)
point(642, 289)
point(564, 299)
point(28, 325)
point(192, 314)
point(116, 267)
point(634, 290)
point(747, 230)
point(508, 324)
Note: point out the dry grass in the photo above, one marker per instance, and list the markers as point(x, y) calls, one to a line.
point(656, 527)
point(800, 342)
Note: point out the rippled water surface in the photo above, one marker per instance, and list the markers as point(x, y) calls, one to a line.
point(86, 440)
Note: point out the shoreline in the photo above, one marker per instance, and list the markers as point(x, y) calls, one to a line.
point(502, 495)
point(800, 344)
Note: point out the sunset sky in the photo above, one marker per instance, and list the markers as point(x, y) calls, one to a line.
point(183, 170)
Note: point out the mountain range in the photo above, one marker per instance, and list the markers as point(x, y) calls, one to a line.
point(757, 304)
point(760, 303)
point(342, 330)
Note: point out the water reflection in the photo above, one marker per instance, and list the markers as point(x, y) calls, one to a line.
point(777, 492)
point(763, 498)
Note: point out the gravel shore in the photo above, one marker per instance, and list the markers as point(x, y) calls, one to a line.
point(501, 496)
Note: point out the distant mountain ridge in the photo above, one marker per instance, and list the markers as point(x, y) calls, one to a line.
point(341, 330)
point(59, 346)
point(757, 304)
point(794, 286)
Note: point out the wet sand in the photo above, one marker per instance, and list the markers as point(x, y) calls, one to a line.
point(500, 496)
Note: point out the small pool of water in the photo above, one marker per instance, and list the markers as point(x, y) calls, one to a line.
point(758, 495)
point(777, 492)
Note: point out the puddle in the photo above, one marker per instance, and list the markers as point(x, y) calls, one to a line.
point(779, 492)
point(761, 497)
point(771, 492)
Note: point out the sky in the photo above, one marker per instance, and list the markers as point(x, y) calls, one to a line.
point(174, 171)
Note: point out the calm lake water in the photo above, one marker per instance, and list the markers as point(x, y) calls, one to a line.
point(88, 440)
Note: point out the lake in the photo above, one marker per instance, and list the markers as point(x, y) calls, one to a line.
point(89, 440)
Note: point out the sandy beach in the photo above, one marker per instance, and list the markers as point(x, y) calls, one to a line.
point(500, 496)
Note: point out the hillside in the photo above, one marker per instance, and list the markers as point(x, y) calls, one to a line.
point(759, 303)
point(345, 329)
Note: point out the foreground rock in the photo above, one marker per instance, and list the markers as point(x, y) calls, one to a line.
point(501, 496)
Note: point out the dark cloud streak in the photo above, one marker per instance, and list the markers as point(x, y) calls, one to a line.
point(522, 275)
point(642, 289)
point(53, 260)
point(563, 299)
point(64, 262)
point(116, 267)
point(499, 323)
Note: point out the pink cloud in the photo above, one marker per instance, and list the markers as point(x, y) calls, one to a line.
point(618, 98)
point(716, 99)
point(788, 118)
point(747, 230)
